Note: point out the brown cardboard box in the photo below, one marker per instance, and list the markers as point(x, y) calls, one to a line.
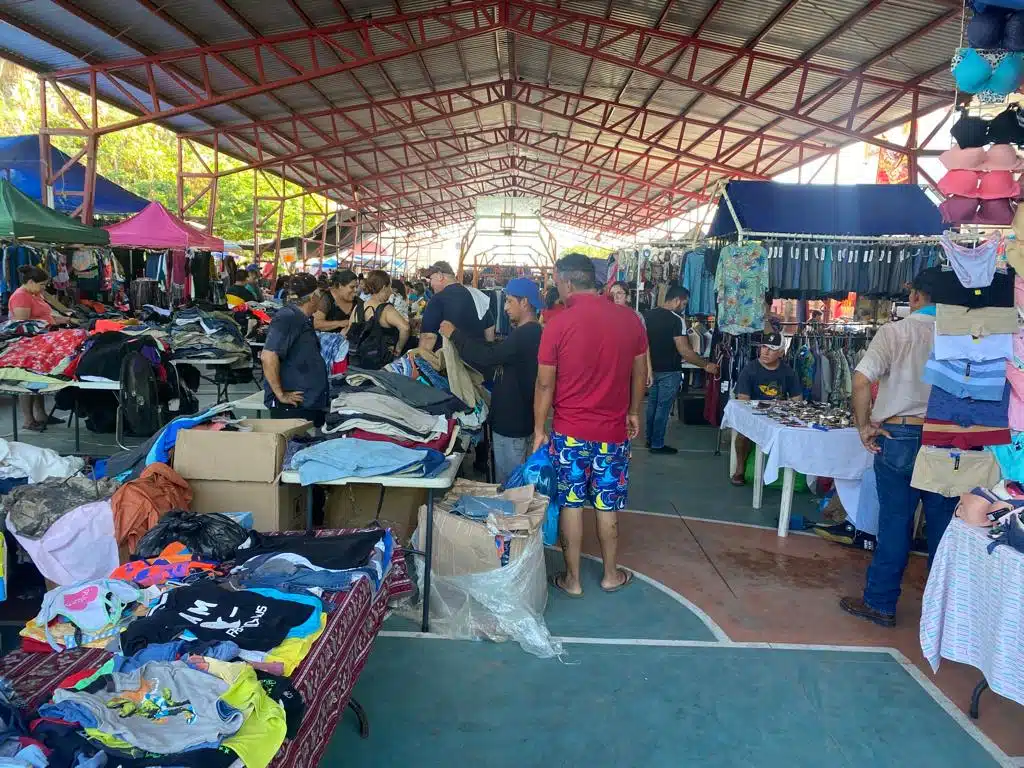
point(274, 507)
point(463, 546)
point(240, 456)
point(355, 506)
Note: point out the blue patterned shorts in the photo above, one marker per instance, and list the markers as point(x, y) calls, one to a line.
point(591, 474)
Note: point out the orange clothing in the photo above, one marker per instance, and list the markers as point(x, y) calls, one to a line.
point(139, 504)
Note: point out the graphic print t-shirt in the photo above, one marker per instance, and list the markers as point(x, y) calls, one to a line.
point(255, 622)
point(758, 383)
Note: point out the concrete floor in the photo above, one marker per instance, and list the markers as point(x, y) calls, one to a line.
point(697, 536)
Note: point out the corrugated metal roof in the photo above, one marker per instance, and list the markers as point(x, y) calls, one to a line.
point(894, 43)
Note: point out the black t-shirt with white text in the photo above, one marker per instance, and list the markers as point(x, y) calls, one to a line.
point(758, 383)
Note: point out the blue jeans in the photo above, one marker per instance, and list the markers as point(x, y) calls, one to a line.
point(897, 503)
point(659, 405)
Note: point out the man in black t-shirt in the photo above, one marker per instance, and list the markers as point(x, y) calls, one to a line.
point(452, 302)
point(767, 378)
point(668, 346)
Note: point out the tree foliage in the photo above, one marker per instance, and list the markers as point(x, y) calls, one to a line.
point(142, 159)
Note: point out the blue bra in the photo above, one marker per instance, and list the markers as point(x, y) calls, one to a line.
point(996, 72)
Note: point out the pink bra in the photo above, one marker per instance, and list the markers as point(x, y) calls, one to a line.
point(987, 185)
point(1000, 157)
point(971, 210)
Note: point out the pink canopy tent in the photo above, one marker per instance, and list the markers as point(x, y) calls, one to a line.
point(156, 227)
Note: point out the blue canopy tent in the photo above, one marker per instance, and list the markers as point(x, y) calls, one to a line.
point(760, 208)
point(21, 164)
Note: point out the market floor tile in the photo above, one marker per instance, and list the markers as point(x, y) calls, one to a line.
point(433, 701)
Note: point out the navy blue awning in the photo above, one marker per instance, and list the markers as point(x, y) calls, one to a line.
point(20, 163)
point(861, 210)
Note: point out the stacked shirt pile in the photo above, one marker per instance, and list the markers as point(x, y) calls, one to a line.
point(199, 335)
point(203, 647)
point(969, 405)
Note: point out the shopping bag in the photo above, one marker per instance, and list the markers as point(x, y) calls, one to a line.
point(539, 471)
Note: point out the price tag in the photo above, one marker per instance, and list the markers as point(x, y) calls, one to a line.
point(724, 386)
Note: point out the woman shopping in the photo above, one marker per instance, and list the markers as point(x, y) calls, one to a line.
point(27, 303)
point(340, 305)
point(384, 332)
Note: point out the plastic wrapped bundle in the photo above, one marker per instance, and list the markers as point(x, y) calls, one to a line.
point(211, 536)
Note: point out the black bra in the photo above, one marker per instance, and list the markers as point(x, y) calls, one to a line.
point(1007, 127)
point(970, 132)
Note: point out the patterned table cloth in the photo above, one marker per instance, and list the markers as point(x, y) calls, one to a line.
point(973, 610)
point(325, 678)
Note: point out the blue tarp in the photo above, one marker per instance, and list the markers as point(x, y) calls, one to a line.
point(863, 210)
point(20, 162)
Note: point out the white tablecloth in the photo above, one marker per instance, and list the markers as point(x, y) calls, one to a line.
point(973, 609)
point(837, 453)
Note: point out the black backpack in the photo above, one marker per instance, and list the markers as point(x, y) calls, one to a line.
point(371, 350)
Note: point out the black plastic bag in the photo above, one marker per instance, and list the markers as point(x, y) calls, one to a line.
point(211, 536)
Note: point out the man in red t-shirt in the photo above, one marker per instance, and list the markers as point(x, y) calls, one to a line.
point(592, 369)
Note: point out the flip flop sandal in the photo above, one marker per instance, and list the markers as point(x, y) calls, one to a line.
point(625, 582)
point(553, 581)
point(737, 481)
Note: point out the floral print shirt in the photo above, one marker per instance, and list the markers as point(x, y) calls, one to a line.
point(741, 282)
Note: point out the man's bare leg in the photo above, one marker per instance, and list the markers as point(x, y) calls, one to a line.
point(570, 526)
point(608, 538)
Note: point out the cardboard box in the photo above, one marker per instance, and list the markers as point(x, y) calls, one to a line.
point(274, 507)
point(463, 546)
point(253, 457)
point(355, 506)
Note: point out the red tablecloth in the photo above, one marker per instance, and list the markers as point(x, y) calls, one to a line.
point(325, 678)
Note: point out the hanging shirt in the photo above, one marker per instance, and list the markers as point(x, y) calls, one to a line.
point(741, 282)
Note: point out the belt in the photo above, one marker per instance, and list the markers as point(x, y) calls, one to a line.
point(912, 420)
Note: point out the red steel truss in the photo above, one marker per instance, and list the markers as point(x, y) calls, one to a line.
point(413, 158)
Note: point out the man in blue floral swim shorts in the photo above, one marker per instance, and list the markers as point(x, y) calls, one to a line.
point(592, 370)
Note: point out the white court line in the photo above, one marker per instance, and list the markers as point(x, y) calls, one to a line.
point(1004, 760)
point(710, 623)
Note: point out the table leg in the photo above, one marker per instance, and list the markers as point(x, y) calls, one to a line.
point(78, 429)
point(364, 721)
point(732, 453)
point(979, 689)
point(309, 509)
point(429, 557)
point(14, 415)
point(786, 510)
point(758, 476)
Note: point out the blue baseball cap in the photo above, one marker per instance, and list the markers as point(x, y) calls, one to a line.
point(525, 288)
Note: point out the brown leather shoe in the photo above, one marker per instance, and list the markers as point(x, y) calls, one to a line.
point(857, 607)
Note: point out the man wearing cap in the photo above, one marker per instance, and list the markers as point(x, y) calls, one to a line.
point(511, 412)
point(669, 346)
point(592, 373)
point(452, 302)
point(891, 430)
point(294, 374)
point(767, 378)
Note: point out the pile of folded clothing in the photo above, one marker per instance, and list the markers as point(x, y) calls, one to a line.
point(199, 335)
point(202, 646)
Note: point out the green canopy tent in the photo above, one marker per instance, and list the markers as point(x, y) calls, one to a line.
point(22, 218)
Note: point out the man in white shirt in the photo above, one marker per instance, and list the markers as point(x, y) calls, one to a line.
point(891, 430)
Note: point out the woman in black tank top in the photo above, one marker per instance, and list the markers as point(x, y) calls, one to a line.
point(340, 306)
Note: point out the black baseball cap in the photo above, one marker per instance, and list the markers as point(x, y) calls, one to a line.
point(927, 281)
point(440, 266)
point(772, 340)
point(302, 284)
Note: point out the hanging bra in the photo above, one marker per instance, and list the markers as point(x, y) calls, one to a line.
point(981, 6)
point(970, 131)
point(986, 185)
point(992, 74)
point(974, 267)
point(1000, 157)
point(971, 210)
point(1007, 127)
